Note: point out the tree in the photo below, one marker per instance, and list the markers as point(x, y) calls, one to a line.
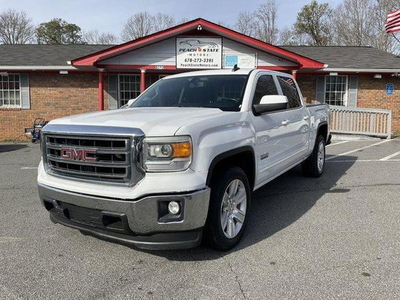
point(261, 23)
point(314, 20)
point(246, 24)
point(15, 27)
point(383, 40)
point(266, 16)
point(289, 37)
point(58, 31)
point(354, 23)
point(143, 23)
point(93, 37)
point(162, 21)
point(360, 23)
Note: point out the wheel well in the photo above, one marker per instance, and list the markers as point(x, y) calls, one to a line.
point(243, 159)
point(323, 130)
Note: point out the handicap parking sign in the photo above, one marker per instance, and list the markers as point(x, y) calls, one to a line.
point(389, 89)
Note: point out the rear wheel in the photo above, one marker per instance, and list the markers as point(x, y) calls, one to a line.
point(229, 208)
point(314, 165)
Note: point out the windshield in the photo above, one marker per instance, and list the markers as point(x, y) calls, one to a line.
point(219, 91)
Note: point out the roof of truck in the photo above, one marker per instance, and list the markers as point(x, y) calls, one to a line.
point(241, 71)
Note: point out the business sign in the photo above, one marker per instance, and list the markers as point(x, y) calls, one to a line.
point(242, 61)
point(389, 89)
point(198, 53)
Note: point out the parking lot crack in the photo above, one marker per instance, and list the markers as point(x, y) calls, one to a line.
point(237, 280)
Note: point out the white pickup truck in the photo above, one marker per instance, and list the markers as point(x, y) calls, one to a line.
point(179, 164)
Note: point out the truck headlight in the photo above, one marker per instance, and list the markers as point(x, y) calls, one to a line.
point(167, 154)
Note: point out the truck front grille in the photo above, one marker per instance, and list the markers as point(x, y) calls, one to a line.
point(106, 159)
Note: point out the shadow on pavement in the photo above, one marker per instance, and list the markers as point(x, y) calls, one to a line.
point(11, 147)
point(275, 206)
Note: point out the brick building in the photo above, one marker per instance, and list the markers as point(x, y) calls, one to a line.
point(51, 81)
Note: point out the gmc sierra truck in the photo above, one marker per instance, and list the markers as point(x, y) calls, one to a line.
point(178, 165)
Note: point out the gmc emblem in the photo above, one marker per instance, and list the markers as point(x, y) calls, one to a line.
point(78, 154)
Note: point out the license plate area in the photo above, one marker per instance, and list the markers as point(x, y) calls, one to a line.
point(89, 217)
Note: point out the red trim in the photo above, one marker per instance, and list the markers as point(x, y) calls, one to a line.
point(101, 91)
point(138, 67)
point(142, 80)
point(278, 68)
point(90, 60)
point(173, 68)
point(70, 72)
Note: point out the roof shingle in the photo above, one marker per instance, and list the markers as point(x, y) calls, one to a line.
point(333, 56)
point(349, 57)
point(44, 55)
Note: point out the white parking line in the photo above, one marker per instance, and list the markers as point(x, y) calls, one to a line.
point(338, 143)
point(362, 160)
point(390, 156)
point(359, 149)
point(29, 168)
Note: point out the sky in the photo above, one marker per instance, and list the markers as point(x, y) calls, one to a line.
point(110, 16)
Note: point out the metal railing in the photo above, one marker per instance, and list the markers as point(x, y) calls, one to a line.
point(364, 121)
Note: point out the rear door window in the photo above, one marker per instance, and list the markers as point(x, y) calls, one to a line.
point(289, 89)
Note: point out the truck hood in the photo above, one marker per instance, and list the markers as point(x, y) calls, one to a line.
point(152, 121)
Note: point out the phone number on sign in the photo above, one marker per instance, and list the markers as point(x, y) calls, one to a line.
point(199, 60)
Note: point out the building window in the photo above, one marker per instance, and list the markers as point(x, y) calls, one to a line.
point(129, 88)
point(335, 90)
point(10, 92)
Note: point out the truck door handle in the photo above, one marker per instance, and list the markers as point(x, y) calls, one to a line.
point(305, 118)
point(285, 122)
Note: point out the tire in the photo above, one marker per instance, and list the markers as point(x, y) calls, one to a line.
point(229, 209)
point(314, 165)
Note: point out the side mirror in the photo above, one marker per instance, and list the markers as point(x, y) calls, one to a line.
point(270, 103)
point(130, 102)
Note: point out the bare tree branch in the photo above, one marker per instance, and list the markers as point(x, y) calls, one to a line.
point(15, 27)
point(266, 16)
point(93, 37)
point(162, 21)
point(246, 24)
point(354, 23)
point(289, 37)
point(383, 40)
point(143, 23)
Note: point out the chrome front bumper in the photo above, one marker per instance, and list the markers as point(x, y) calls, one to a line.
point(136, 222)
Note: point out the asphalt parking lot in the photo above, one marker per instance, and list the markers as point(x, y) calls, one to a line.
point(336, 237)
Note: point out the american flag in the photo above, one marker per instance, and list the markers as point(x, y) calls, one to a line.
point(392, 24)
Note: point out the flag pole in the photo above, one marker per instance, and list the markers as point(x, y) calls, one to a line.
point(395, 37)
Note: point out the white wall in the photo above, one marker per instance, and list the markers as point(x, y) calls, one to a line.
point(163, 53)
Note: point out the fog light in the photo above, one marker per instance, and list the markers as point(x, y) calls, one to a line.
point(173, 207)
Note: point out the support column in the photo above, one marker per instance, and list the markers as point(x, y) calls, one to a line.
point(294, 74)
point(142, 80)
point(101, 91)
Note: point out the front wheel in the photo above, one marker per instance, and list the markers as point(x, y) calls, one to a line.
point(314, 165)
point(229, 208)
